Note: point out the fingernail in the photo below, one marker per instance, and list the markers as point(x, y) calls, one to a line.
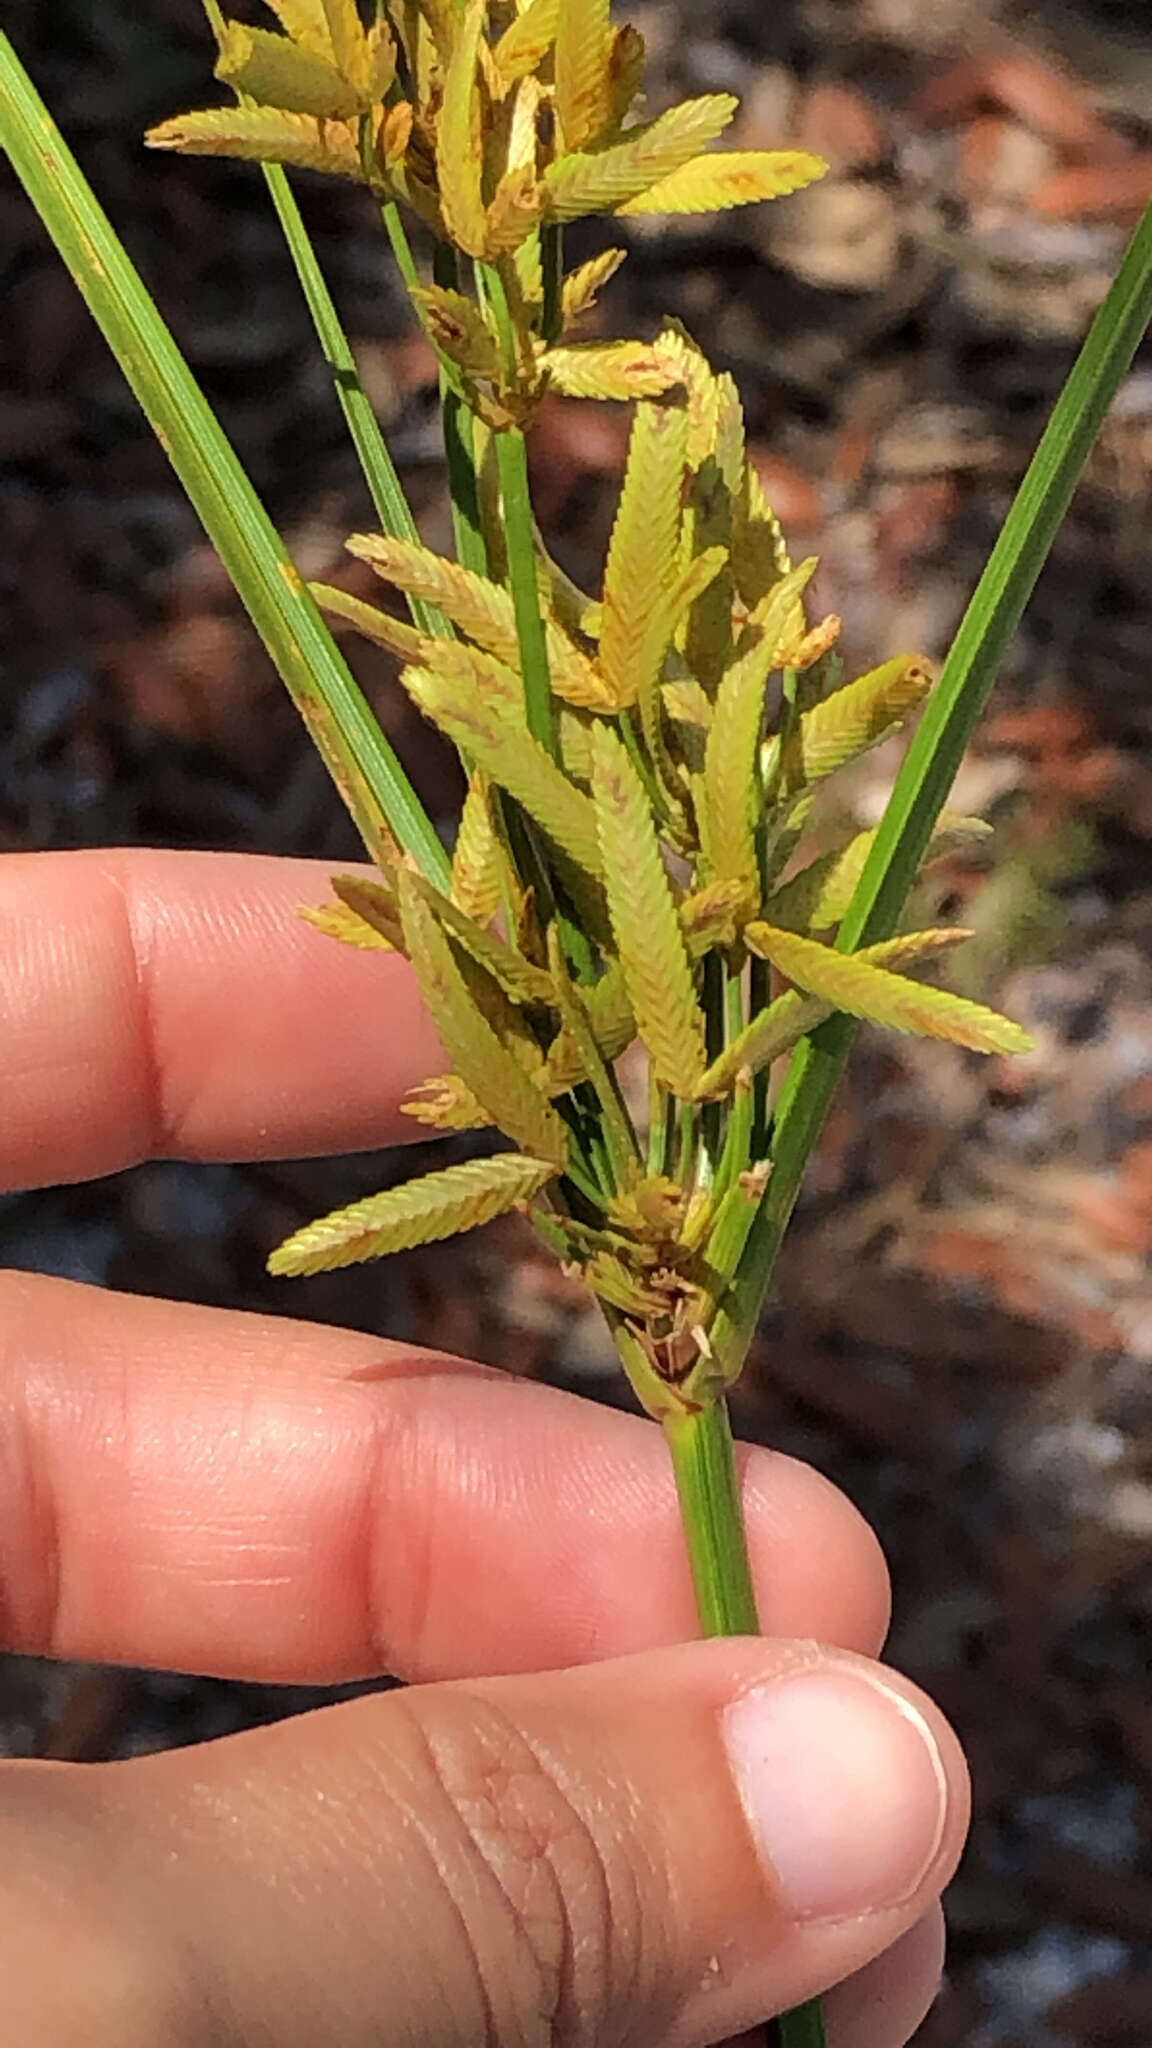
point(844, 1789)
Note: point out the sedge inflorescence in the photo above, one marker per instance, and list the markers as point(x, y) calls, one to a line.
point(642, 762)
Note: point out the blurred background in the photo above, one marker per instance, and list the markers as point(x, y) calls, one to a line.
point(961, 1333)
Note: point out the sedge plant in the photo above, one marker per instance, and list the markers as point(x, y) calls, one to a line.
point(643, 978)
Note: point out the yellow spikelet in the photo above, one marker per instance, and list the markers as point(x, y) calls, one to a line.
point(447, 1104)
point(711, 916)
point(613, 1026)
point(607, 369)
point(459, 138)
point(374, 903)
point(759, 551)
point(643, 575)
point(855, 717)
point(494, 735)
point(686, 703)
point(457, 326)
point(583, 75)
point(601, 180)
point(519, 978)
point(728, 451)
point(277, 73)
point(813, 645)
point(395, 133)
point(515, 211)
point(523, 46)
point(702, 388)
point(776, 1030)
point(476, 857)
point(730, 792)
point(711, 184)
point(481, 609)
point(770, 1035)
point(529, 269)
point(423, 1211)
point(306, 21)
point(850, 982)
point(523, 127)
point(698, 577)
point(375, 625)
point(493, 1073)
point(581, 287)
point(336, 921)
point(626, 75)
point(345, 32)
point(263, 135)
point(839, 886)
point(574, 734)
point(459, 680)
point(649, 942)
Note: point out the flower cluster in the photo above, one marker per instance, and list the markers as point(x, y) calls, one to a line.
point(642, 764)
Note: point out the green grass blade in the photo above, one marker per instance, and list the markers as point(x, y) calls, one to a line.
point(936, 751)
point(365, 769)
point(379, 471)
point(956, 704)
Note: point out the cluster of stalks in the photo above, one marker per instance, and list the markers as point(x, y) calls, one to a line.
point(634, 928)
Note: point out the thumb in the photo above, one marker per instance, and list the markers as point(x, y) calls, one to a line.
point(668, 1848)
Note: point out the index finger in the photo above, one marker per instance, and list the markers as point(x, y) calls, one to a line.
point(158, 1004)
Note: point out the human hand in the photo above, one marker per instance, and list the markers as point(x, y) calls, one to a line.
point(577, 1826)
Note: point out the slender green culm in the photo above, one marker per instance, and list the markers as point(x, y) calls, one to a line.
point(379, 471)
point(460, 442)
point(708, 1489)
point(519, 533)
point(709, 1493)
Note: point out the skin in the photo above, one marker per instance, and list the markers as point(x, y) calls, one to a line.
point(541, 1840)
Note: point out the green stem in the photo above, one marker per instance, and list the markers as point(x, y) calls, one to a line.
point(713, 1518)
point(460, 443)
point(714, 1529)
point(626, 727)
point(661, 1126)
point(379, 471)
point(519, 530)
point(512, 462)
point(459, 438)
point(937, 749)
point(803, 2027)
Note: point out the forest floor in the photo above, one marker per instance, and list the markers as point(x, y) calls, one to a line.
point(961, 1333)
